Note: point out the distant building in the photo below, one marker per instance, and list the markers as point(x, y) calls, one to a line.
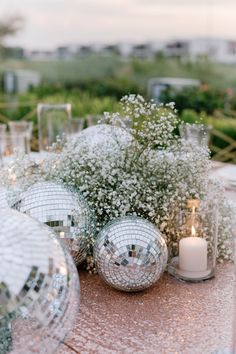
point(142, 51)
point(177, 49)
point(20, 81)
point(63, 52)
point(12, 52)
point(219, 50)
point(40, 55)
point(85, 50)
point(111, 49)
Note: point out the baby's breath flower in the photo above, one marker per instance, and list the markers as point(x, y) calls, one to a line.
point(140, 168)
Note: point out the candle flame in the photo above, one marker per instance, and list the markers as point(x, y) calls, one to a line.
point(194, 209)
point(193, 231)
point(62, 234)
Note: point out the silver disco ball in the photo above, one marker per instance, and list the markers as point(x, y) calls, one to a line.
point(3, 197)
point(64, 210)
point(130, 253)
point(39, 286)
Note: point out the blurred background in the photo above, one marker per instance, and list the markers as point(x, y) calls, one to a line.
point(92, 52)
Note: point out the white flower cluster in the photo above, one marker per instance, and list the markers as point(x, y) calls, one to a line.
point(134, 165)
point(151, 173)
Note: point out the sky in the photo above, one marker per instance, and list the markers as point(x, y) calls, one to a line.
point(51, 23)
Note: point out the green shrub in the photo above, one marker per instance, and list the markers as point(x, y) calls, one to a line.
point(82, 104)
point(110, 87)
point(198, 99)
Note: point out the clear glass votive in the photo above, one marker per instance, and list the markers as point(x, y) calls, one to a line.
point(20, 132)
point(3, 128)
point(93, 119)
point(53, 124)
point(197, 232)
point(76, 125)
point(196, 133)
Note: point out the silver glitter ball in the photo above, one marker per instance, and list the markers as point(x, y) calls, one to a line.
point(62, 209)
point(39, 286)
point(130, 253)
point(4, 197)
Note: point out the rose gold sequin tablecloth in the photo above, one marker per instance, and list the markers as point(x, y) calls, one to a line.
point(171, 317)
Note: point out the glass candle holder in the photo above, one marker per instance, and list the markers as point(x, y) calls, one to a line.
point(21, 132)
point(53, 123)
point(76, 125)
point(93, 119)
point(197, 232)
point(3, 128)
point(196, 133)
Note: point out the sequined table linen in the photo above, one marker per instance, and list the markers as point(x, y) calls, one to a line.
point(171, 317)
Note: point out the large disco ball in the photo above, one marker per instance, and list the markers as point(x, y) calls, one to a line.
point(64, 210)
point(130, 253)
point(39, 286)
point(9, 196)
point(4, 197)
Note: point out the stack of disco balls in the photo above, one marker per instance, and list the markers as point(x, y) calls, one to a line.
point(39, 286)
point(62, 209)
point(130, 253)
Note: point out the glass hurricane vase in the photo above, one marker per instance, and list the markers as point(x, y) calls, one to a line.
point(53, 123)
point(197, 232)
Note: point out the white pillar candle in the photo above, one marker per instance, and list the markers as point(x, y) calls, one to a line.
point(193, 254)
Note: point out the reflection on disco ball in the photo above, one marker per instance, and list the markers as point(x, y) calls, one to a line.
point(3, 197)
point(130, 253)
point(39, 286)
point(64, 210)
point(103, 135)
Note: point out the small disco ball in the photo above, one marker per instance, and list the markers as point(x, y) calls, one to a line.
point(130, 253)
point(62, 209)
point(39, 286)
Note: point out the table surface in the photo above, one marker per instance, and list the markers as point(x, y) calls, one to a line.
point(170, 317)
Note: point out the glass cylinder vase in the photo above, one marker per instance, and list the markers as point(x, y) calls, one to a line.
point(197, 231)
point(3, 128)
point(53, 123)
point(20, 132)
point(76, 126)
point(196, 133)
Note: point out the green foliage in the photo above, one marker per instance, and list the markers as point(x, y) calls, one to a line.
point(111, 87)
point(199, 99)
point(82, 104)
point(94, 84)
point(98, 68)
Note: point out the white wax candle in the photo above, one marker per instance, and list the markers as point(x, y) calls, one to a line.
point(193, 254)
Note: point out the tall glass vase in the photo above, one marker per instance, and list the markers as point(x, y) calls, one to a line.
point(20, 133)
point(196, 231)
point(3, 128)
point(53, 124)
point(196, 133)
